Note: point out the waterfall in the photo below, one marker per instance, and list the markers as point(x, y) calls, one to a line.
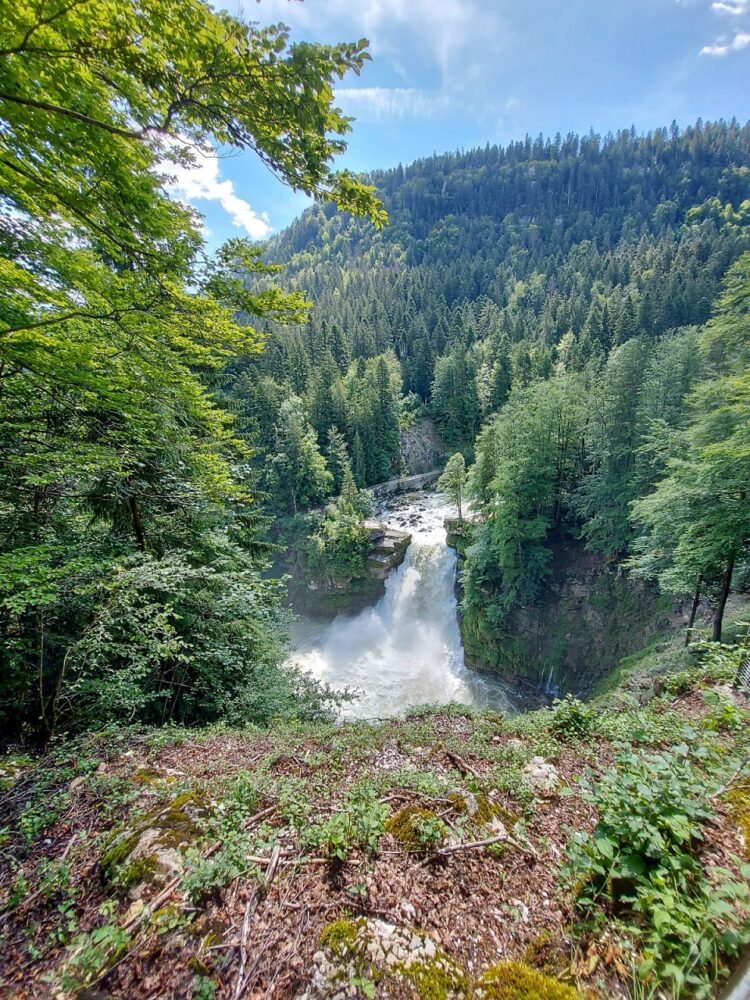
point(406, 649)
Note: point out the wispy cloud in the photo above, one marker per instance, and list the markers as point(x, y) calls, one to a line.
point(201, 180)
point(380, 103)
point(734, 8)
point(722, 46)
point(460, 39)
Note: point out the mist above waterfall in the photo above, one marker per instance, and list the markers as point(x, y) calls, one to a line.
point(406, 649)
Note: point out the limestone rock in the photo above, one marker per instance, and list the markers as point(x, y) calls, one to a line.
point(542, 774)
point(151, 851)
point(380, 950)
point(388, 550)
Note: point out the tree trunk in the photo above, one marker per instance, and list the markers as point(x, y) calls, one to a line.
point(693, 610)
point(137, 524)
point(46, 730)
point(726, 586)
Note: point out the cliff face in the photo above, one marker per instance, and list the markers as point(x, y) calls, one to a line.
point(328, 592)
point(422, 448)
point(591, 616)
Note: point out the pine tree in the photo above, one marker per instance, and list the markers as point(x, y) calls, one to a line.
point(337, 456)
point(300, 470)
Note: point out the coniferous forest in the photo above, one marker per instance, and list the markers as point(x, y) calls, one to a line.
point(195, 439)
point(563, 310)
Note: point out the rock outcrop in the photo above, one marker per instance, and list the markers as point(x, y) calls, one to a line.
point(422, 448)
point(588, 617)
point(388, 549)
point(356, 587)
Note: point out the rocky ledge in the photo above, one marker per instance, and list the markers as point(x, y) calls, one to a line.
point(388, 548)
point(459, 532)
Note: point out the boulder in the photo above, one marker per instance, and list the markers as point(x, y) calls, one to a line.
point(388, 551)
point(151, 851)
point(543, 775)
point(376, 529)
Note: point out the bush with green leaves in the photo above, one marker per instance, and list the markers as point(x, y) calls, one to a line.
point(641, 868)
point(337, 545)
point(90, 954)
point(359, 824)
point(572, 719)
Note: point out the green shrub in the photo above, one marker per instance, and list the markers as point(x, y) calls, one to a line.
point(359, 824)
point(339, 547)
point(572, 719)
point(640, 865)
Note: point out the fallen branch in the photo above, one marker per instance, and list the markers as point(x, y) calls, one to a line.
point(252, 906)
point(720, 791)
point(474, 845)
point(461, 764)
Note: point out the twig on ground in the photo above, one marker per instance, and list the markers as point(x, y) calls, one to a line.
point(461, 764)
point(720, 791)
point(252, 906)
point(503, 837)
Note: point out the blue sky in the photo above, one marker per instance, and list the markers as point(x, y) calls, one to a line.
point(450, 74)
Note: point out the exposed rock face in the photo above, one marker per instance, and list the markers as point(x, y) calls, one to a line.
point(589, 617)
point(388, 549)
point(422, 448)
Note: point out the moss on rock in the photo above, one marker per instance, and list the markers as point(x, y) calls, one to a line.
point(11, 769)
point(518, 981)
point(151, 849)
point(152, 776)
point(340, 937)
point(482, 810)
point(384, 953)
point(436, 979)
point(738, 800)
point(416, 829)
point(545, 953)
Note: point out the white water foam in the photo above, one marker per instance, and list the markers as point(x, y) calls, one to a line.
point(406, 649)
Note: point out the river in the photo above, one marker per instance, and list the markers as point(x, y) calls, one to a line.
point(406, 649)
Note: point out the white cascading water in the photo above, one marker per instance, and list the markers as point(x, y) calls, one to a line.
point(406, 649)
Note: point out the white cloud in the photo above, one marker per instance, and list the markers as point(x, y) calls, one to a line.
point(462, 39)
point(722, 47)
point(201, 181)
point(378, 103)
point(734, 8)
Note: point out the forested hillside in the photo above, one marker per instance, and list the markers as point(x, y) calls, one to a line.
point(547, 303)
